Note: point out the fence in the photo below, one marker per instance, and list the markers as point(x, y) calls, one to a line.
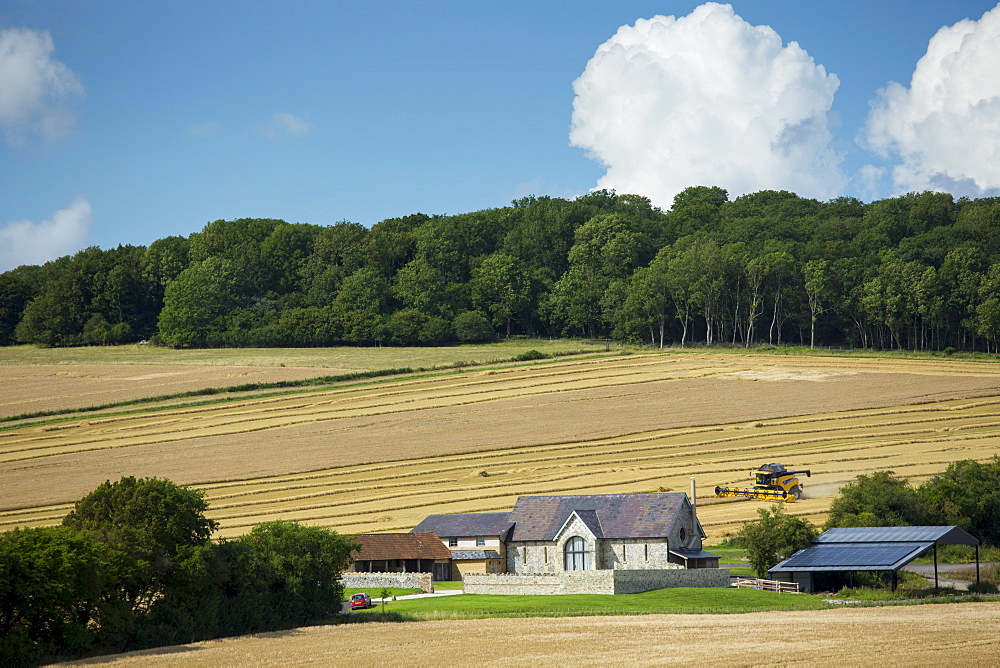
point(767, 585)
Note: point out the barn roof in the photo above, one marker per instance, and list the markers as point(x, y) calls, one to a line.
point(871, 548)
point(941, 535)
point(381, 546)
point(609, 515)
point(853, 557)
point(466, 524)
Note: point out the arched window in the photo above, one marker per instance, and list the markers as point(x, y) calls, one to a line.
point(576, 554)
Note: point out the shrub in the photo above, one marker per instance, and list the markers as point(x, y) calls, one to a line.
point(473, 327)
point(984, 588)
point(775, 536)
point(531, 355)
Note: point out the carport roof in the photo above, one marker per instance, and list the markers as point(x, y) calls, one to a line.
point(853, 556)
point(941, 535)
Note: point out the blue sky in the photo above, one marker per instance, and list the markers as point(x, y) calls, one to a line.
point(125, 122)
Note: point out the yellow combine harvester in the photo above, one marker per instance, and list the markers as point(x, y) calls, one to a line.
point(771, 481)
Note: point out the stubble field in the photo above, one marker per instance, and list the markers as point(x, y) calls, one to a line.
point(380, 455)
point(927, 635)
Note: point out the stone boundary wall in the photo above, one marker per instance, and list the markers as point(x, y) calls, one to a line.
point(376, 581)
point(596, 582)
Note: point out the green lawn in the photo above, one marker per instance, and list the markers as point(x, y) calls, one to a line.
point(676, 600)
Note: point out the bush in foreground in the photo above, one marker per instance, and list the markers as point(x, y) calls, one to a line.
point(134, 566)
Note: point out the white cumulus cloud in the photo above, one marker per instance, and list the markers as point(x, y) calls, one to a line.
point(945, 128)
point(25, 242)
point(35, 88)
point(706, 99)
point(284, 124)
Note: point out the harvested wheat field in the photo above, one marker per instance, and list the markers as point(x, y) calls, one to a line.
point(379, 456)
point(44, 379)
point(29, 389)
point(850, 637)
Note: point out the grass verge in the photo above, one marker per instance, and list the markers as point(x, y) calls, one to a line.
point(676, 600)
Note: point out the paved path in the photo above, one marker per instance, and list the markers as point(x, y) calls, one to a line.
point(927, 570)
point(447, 592)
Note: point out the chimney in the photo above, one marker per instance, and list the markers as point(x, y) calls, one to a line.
point(694, 509)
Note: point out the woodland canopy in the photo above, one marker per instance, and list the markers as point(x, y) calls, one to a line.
point(918, 272)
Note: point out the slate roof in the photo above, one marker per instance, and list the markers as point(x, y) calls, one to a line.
point(942, 535)
point(466, 524)
point(380, 546)
point(469, 555)
point(616, 515)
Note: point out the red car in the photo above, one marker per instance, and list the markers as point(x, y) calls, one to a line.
point(360, 601)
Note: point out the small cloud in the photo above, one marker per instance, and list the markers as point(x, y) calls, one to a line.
point(204, 129)
point(25, 242)
point(672, 102)
point(869, 178)
point(284, 124)
point(945, 127)
point(35, 88)
point(532, 187)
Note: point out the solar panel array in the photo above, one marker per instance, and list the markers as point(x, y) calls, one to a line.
point(853, 556)
point(942, 535)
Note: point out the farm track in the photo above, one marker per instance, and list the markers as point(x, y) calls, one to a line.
point(945, 411)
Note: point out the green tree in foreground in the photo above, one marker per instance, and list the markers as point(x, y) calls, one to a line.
point(50, 584)
point(878, 499)
point(149, 526)
point(966, 494)
point(292, 571)
point(775, 536)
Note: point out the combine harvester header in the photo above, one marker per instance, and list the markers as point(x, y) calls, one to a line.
point(771, 481)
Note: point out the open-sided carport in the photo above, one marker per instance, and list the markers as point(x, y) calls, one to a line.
point(885, 549)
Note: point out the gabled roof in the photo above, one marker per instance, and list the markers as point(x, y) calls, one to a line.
point(381, 546)
point(608, 515)
point(466, 524)
point(942, 535)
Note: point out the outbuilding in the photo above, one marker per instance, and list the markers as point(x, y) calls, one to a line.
point(832, 559)
point(402, 553)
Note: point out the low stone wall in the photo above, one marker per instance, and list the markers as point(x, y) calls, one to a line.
point(376, 581)
point(633, 582)
point(611, 581)
point(504, 583)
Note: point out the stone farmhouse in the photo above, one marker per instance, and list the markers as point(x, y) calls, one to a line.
point(598, 543)
point(552, 534)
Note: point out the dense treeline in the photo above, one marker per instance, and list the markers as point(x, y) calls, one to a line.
point(133, 566)
point(921, 272)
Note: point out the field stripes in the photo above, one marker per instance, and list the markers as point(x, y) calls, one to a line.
point(913, 441)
